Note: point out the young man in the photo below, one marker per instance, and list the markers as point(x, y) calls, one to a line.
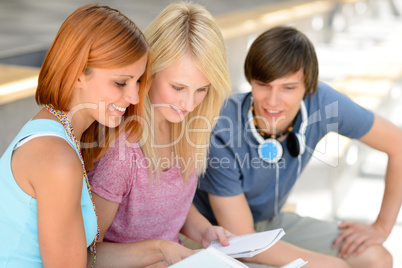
point(265, 138)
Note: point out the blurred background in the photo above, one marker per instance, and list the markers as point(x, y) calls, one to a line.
point(358, 43)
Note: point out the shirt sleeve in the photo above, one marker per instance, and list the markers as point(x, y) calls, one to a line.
point(111, 176)
point(343, 115)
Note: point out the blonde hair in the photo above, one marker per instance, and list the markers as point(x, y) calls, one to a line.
point(179, 29)
point(93, 36)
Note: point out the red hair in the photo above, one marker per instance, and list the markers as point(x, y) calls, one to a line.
point(93, 36)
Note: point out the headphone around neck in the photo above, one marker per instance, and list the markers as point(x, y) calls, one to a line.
point(271, 150)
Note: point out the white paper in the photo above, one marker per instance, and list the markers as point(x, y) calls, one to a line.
point(249, 245)
point(229, 260)
point(211, 258)
point(295, 264)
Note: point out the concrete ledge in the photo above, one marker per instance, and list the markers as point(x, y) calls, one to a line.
point(17, 82)
point(245, 22)
point(369, 92)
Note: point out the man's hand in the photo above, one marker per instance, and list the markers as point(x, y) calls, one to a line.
point(357, 237)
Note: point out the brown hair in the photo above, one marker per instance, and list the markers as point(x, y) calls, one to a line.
point(93, 36)
point(281, 51)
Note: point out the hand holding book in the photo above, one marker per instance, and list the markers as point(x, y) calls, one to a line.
point(251, 244)
point(213, 258)
point(219, 256)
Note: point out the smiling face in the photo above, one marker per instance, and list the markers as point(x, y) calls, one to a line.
point(107, 93)
point(276, 103)
point(177, 90)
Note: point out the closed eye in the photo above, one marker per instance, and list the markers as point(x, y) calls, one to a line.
point(203, 89)
point(289, 88)
point(140, 79)
point(177, 88)
point(120, 84)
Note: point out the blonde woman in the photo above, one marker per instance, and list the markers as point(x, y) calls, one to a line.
point(144, 190)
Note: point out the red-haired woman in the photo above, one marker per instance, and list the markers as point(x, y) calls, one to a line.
point(93, 75)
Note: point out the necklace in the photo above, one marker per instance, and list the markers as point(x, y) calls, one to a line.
point(268, 135)
point(70, 131)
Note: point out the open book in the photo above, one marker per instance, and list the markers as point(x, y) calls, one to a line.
point(250, 244)
point(209, 258)
point(213, 258)
point(218, 256)
point(295, 264)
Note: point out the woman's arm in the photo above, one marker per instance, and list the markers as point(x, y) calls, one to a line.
point(52, 169)
point(386, 137)
point(106, 211)
point(136, 254)
point(199, 229)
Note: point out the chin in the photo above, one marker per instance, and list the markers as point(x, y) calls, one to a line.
point(113, 122)
point(175, 119)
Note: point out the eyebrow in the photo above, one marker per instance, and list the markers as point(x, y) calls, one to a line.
point(287, 83)
point(182, 85)
point(125, 75)
point(291, 83)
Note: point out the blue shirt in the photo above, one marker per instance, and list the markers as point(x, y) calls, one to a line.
point(19, 246)
point(234, 166)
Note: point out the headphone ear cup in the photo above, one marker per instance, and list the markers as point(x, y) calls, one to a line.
point(302, 144)
point(293, 144)
point(270, 151)
point(296, 144)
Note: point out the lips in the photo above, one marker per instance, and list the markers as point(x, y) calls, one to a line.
point(120, 109)
point(178, 111)
point(273, 113)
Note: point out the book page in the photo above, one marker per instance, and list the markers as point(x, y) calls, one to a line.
point(250, 244)
point(211, 258)
point(227, 259)
point(295, 264)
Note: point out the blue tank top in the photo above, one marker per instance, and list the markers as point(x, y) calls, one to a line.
point(19, 246)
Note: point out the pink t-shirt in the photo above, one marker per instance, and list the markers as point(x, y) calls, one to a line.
point(148, 209)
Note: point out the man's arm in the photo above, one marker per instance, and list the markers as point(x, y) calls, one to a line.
point(234, 214)
point(356, 238)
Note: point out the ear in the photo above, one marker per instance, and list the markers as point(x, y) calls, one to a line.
point(80, 83)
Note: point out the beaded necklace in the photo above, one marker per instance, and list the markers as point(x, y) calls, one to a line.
point(268, 135)
point(70, 131)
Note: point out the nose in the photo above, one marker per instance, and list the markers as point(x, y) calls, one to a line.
point(131, 94)
point(273, 98)
point(188, 103)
